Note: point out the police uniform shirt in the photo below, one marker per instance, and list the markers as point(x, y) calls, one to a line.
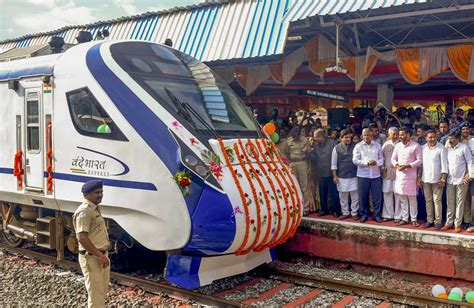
point(87, 218)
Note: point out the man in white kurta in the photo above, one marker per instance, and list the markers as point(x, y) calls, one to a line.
point(391, 205)
point(345, 175)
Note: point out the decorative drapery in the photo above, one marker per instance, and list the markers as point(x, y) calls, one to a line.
point(417, 65)
point(292, 63)
point(276, 71)
point(320, 53)
point(226, 73)
point(461, 62)
point(256, 75)
point(359, 68)
point(241, 73)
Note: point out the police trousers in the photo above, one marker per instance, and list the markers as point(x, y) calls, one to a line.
point(96, 279)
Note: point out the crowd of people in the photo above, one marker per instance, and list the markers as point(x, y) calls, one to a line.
point(392, 168)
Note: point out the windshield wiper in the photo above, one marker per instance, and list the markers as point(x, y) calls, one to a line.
point(187, 110)
point(181, 110)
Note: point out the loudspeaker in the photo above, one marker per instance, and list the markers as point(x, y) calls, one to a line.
point(338, 117)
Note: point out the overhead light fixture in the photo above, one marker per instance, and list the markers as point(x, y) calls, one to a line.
point(294, 38)
point(338, 67)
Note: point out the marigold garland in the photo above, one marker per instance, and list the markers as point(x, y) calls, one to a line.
point(18, 168)
point(49, 157)
point(242, 196)
point(272, 185)
point(298, 220)
point(265, 195)
point(296, 205)
point(255, 197)
point(271, 153)
point(284, 187)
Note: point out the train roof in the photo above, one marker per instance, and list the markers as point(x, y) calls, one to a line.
point(36, 66)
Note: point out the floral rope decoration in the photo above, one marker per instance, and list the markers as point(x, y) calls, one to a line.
point(258, 228)
point(272, 152)
point(289, 193)
point(242, 196)
point(272, 186)
point(296, 201)
point(267, 218)
point(283, 190)
point(298, 197)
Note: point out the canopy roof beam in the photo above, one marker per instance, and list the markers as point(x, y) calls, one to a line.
point(363, 19)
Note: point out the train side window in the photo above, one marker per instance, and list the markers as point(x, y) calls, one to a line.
point(89, 118)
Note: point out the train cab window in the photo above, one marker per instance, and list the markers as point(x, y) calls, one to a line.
point(89, 118)
point(186, 88)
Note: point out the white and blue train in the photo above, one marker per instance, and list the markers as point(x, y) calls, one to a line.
point(137, 115)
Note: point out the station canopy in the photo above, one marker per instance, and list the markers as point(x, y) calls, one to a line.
point(422, 49)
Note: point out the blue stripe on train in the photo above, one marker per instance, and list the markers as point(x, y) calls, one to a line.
point(83, 179)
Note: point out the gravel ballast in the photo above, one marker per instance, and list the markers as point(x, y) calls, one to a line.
point(25, 282)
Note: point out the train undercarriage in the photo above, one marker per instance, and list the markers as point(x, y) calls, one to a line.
point(50, 229)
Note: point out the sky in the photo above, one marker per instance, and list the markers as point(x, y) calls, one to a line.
point(21, 17)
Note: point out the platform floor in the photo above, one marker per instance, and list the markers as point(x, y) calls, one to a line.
point(405, 248)
point(388, 224)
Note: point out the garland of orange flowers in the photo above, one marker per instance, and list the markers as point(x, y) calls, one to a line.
point(298, 197)
point(242, 196)
point(270, 181)
point(49, 157)
point(265, 195)
point(18, 168)
point(255, 198)
point(297, 205)
point(284, 188)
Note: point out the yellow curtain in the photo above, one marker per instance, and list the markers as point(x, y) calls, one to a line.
point(461, 62)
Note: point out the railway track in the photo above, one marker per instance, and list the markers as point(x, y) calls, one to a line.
point(282, 280)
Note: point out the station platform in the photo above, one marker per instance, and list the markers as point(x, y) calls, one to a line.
point(405, 248)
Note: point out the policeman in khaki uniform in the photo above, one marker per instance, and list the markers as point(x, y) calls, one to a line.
point(295, 149)
point(93, 238)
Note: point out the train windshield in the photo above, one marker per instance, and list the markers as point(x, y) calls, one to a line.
point(186, 88)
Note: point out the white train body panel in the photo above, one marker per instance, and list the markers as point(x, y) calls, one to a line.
point(148, 134)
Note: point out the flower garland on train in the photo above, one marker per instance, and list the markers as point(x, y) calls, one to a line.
point(243, 197)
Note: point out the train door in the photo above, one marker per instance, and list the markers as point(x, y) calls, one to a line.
point(34, 173)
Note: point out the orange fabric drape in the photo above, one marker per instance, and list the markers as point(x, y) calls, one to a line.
point(276, 71)
point(350, 65)
point(461, 62)
point(418, 65)
point(359, 68)
point(409, 64)
point(241, 75)
point(313, 54)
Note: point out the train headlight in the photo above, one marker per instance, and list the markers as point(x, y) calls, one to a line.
point(201, 170)
point(191, 160)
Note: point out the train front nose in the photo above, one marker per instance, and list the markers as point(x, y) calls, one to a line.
point(261, 205)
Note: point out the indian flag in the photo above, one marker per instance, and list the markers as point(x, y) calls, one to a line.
point(47, 88)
